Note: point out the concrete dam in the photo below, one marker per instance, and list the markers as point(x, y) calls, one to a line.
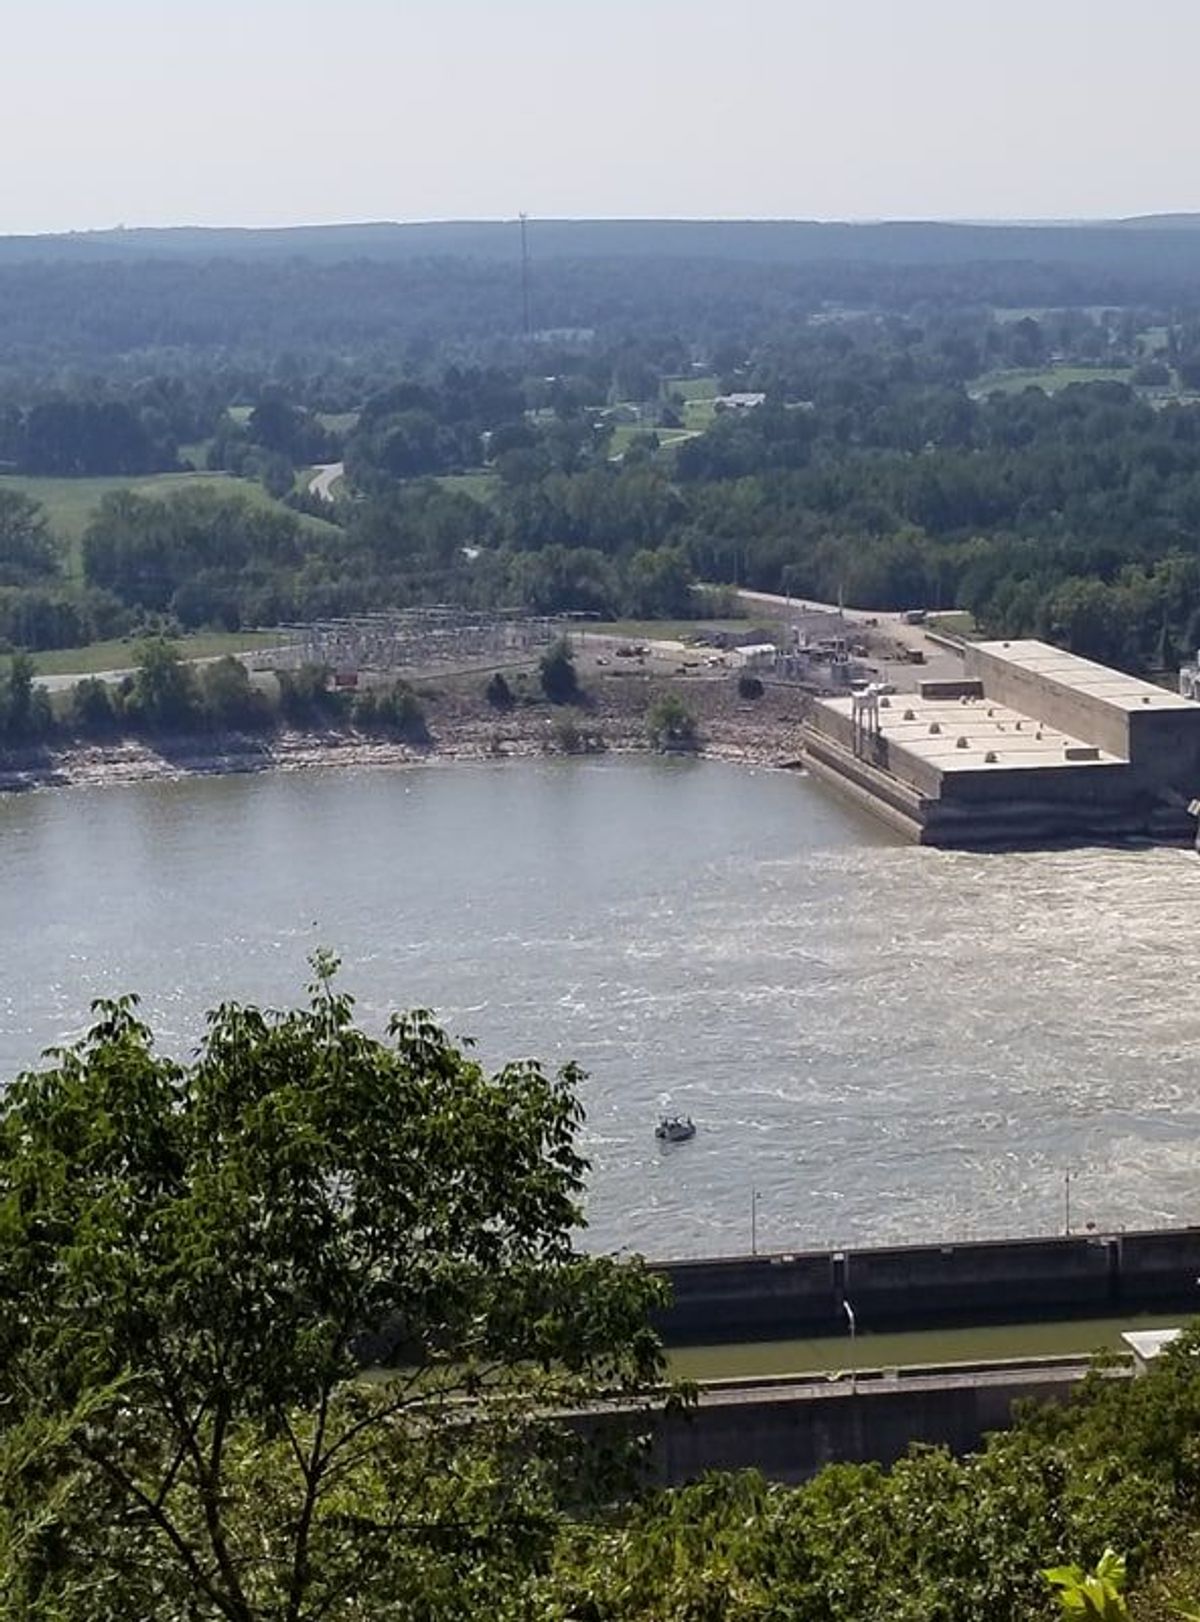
point(806, 1293)
point(1031, 744)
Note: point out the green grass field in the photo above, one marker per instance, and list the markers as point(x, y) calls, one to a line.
point(480, 485)
point(70, 503)
point(625, 433)
point(1050, 378)
point(954, 621)
point(699, 415)
point(692, 388)
point(120, 654)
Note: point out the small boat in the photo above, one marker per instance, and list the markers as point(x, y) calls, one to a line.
point(675, 1129)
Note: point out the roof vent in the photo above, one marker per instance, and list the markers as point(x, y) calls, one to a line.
point(962, 743)
point(909, 716)
point(1017, 725)
point(990, 757)
point(935, 726)
point(885, 703)
point(991, 711)
point(1145, 698)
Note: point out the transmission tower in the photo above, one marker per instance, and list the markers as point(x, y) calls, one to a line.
point(524, 218)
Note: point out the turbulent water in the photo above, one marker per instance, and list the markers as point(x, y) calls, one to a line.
point(881, 1042)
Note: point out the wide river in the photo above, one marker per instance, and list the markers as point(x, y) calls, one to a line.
point(877, 1042)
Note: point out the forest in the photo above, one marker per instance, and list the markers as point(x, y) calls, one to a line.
point(1013, 437)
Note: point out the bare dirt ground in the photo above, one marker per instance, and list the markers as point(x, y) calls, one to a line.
point(463, 725)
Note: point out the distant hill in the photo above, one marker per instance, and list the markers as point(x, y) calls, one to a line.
point(1160, 242)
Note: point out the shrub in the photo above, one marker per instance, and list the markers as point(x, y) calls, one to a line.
point(498, 693)
point(305, 697)
point(560, 682)
point(749, 686)
point(576, 740)
point(91, 708)
point(671, 725)
point(229, 697)
point(397, 710)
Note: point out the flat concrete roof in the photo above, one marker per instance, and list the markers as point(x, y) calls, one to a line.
point(1016, 740)
point(1086, 676)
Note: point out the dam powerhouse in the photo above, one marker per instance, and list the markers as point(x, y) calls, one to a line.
point(1030, 744)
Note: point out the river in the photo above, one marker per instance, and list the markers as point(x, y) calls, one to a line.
point(882, 1043)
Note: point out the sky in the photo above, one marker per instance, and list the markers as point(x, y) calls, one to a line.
point(274, 112)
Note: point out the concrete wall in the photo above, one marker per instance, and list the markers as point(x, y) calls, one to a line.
point(790, 1441)
point(922, 1286)
point(1105, 784)
point(1165, 745)
point(1084, 715)
point(790, 1429)
point(1162, 743)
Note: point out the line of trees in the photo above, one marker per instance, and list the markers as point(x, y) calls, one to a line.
point(166, 695)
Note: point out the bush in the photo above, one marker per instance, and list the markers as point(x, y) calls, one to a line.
point(305, 697)
point(230, 698)
point(560, 683)
point(92, 707)
point(576, 740)
point(397, 710)
point(498, 693)
point(749, 686)
point(670, 725)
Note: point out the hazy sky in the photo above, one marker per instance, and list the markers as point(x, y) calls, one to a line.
point(278, 111)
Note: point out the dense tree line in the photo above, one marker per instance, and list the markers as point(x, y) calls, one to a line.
point(166, 694)
point(872, 468)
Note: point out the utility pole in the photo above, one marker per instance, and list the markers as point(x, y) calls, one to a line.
point(524, 218)
point(1066, 1202)
point(755, 1196)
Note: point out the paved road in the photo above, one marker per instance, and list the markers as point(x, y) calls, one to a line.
point(888, 620)
point(324, 478)
point(940, 663)
point(58, 684)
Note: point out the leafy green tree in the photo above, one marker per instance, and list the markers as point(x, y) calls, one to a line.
point(229, 697)
point(559, 678)
point(670, 725)
point(27, 550)
point(165, 692)
point(306, 697)
point(395, 709)
point(198, 1259)
point(498, 693)
point(24, 711)
point(91, 707)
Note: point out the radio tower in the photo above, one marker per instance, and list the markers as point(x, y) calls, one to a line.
point(524, 218)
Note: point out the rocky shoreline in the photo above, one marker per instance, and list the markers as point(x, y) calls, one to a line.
point(463, 727)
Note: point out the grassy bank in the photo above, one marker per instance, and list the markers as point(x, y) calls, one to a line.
point(120, 654)
point(70, 504)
